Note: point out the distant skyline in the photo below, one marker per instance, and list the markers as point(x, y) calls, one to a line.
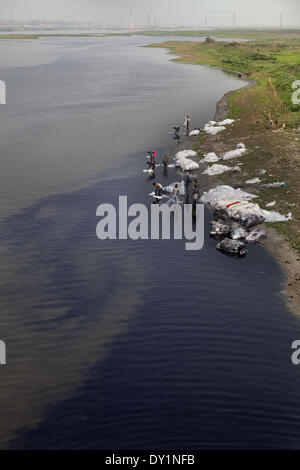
point(164, 12)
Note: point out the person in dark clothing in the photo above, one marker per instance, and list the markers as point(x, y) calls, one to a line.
point(187, 182)
point(158, 192)
point(177, 132)
point(165, 166)
point(195, 197)
point(187, 124)
point(196, 194)
point(151, 161)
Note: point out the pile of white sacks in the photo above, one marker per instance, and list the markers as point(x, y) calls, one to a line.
point(237, 153)
point(210, 158)
point(213, 127)
point(232, 203)
point(236, 204)
point(183, 161)
point(217, 169)
point(194, 132)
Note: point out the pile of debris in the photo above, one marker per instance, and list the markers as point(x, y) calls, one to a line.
point(237, 153)
point(235, 214)
point(213, 127)
point(183, 161)
point(235, 236)
point(219, 169)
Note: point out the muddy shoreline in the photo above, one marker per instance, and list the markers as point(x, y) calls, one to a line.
point(275, 243)
point(222, 104)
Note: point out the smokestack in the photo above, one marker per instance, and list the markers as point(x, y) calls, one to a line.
point(281, 18)
point(234, 18)
point(131, 19)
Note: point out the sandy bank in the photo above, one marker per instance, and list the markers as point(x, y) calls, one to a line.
point(289, 261)
point(222, 104)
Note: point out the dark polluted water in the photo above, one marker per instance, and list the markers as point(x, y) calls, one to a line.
point(122, 344)
point(141, 344)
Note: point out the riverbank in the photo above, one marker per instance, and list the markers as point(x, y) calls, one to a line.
point(272, 156)
point(282, 239)
point(276, 243)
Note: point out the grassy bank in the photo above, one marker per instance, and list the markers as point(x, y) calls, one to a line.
point(274, 65)
point(266, 34)
point(19, 36)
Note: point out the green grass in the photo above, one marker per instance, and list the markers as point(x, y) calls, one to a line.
point(273, 64)
point(283, 229)
point(250, 34)
point(19, 36)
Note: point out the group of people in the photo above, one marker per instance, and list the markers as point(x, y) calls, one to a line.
point(186, 125)
point(152, 160)
point(195, 189)
point(191, 185)
point(188, 182)
point(158, 192)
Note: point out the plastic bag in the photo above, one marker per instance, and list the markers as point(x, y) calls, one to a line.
point(233, 247)
point(252, 220)
point(255, 236)
point(186, 154)
point(216, 170)
point(226, 122)
point(253, 181)
point(225, 194)
point(274, 185)
point(210, 158)
point(237, 153)
point(238, 233)
point(194, 132)
point(219, 228)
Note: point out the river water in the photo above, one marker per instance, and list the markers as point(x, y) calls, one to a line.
point(125, 344)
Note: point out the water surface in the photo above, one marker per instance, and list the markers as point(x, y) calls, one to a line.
point(122, 344)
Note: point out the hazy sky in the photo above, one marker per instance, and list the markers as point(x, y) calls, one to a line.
point(168, 12)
